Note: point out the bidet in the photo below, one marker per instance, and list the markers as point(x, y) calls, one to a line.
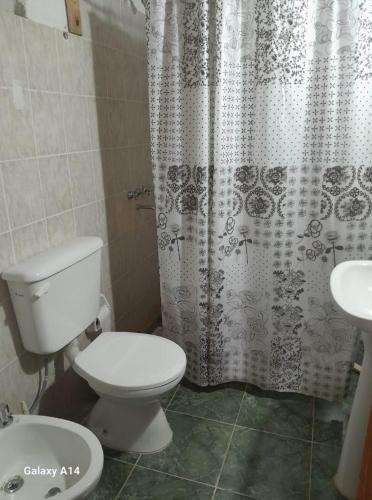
point(43, 457)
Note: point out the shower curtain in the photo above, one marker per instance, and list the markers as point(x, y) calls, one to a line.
point(261, 145)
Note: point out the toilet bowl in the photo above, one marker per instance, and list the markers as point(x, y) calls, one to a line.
point(131, 372)
point(56, 296)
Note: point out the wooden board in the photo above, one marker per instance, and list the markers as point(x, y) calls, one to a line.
point(73, 16)
point(365, 478)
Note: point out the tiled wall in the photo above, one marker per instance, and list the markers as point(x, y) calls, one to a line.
point(73, 141)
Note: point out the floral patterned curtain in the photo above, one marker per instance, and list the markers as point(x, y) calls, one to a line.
point(262, 157)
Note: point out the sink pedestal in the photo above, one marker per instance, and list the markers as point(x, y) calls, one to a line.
point(347, 475)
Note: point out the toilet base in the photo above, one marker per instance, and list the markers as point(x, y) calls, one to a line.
point(126, 426)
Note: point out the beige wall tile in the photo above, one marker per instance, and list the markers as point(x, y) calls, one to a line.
point(129, 253)
point(124, 171)
point(87, 77)
point(99, 123)
point(4, 223)
point(115, 67)
point(6, 259)
point(127, 210)
point(23, 192)
point(30, 240)
point(102, 223)
point(99, 160)
point(10, 341)
point(76, 123)
point(138, 166)
point(86, 220)
point(99, 76)
point(105, 268)
point(55, 183)
point(82, 178)
point(133, 27)
point(116, 258)
point(61, 227)
point(135, 85)
point(8, 5)
point(18, 382)
point(74, 76)
point(95, 110)
point(12, 63)
point(48, 123)
point(134, 129)
point(72, 124)
point(120, 295)
point(120, 123)
point(17, 139)
point(119, 215)
point(112, 27)
point(91, 20)
point(145, 122)
point(110, 172)
point(41, 56)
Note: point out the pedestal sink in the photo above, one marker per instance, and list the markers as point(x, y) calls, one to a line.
point(351, 286)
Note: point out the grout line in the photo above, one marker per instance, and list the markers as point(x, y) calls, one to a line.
point(238, 426)
point(236, 492)
point(139, 466)
point(127, 478)
point(171, 399)
point(283, 436)
point(201, 418)
point(18, 357)
point(2, 182)
point(311, 449)
point(75, 94)
point(36, 148)
point(36, 221)
point(65, 153)
point(235, 425)
point(67, 159)
point(173, 475)
point(229, 444)
point(60, 32)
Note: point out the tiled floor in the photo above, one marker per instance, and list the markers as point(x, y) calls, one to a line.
point(235, 442)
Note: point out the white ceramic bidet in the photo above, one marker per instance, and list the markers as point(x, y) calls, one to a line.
point(351, 286)
point(45, 457)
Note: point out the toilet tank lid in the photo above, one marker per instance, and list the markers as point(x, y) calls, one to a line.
point(52, 261)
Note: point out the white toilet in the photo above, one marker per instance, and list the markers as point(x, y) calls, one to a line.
point(55, 295)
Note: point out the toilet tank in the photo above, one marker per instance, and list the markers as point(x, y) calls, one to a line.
point(56, 293)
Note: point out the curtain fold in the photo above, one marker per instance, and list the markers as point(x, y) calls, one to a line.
point(261, 147)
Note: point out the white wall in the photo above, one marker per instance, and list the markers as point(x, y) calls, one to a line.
point(48, 12)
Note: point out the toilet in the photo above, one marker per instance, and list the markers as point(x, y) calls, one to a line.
point(56, 296)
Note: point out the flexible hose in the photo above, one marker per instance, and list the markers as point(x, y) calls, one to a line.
point(43, 381)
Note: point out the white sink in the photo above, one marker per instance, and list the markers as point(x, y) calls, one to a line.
point(351, 286)
point(33, 444)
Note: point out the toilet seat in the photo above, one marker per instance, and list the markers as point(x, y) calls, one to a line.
point(119, 362)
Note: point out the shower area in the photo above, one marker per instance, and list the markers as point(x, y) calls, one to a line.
point(261, 156)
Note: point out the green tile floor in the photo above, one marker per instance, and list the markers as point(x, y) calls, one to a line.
point(235, 442)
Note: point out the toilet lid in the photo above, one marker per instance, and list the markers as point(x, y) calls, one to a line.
point(131, 361)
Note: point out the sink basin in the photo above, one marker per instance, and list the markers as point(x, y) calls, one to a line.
point(351, 286)
point(45, 457)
